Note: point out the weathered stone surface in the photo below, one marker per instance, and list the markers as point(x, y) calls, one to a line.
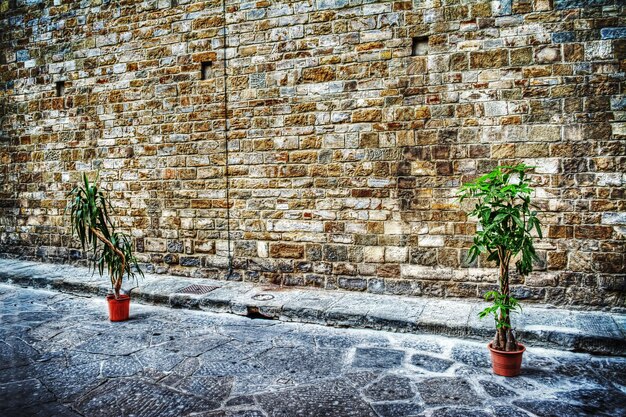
point(46, 410)
point(68, 383)
point(347, 341)
point(241, 400)
point(308, 307)
point(553, 408)
point(467, 355)
point(302, 364)
point(257, 367)
point(459, 412)
point(570, 4)
point(138, 397)
point(431, 318)
point(159, 359)
point(226, 368)
point(120, 367)
point(395, 409)
point(350, 128)
point(431, 363)
point(489, 59)
point(595, 401)
point(340, 398)
point(390, 388)
point(285, 250)
point(448, 391)
point(193, 347)
point(350, 310)
point(215, 388)
point(385, 315)
point(594, 332)
point(377, 358)
point(102, 344)
point(234, 413)
point(362, 378)
point(496, 390)
point(26, 393)
point(16, 352)
point(508, 411)
point(425, 344)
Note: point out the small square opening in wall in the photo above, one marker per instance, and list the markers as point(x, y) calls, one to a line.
point(60, 88)
point(205, 70)
point(419, 46)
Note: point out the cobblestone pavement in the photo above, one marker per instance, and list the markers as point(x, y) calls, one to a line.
point(60, 356)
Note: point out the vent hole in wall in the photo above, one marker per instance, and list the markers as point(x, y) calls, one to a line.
point(60, 88)
point(205, 70)
point(419, 46)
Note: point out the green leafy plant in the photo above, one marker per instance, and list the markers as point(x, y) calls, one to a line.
point(90, 212)
point(507, 223)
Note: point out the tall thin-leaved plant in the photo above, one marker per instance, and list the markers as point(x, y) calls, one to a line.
point(90, 215)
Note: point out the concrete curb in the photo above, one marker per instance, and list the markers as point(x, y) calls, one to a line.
point(591, 332)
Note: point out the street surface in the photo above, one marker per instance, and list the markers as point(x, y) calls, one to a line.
point(60, 356)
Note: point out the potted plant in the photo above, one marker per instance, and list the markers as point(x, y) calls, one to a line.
point(506, 225)
point(90, 212)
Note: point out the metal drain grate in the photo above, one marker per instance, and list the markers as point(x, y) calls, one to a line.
point(263, 297)
point(197, 289)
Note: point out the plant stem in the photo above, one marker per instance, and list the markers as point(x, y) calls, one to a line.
point(116, 281)
point(505, 339)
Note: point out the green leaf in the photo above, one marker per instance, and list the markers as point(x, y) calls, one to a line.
point(91, 221)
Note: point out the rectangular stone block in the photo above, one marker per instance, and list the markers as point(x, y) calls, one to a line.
point(295, 226)
point(593, 232)
point(374, 254)
point(286, 250)
point(614, 218)
point(573, 4)
point(563, 37)
point(155, 245)
point(430, 241)
point(350, 127)
point(396, 254)
point(489, 59)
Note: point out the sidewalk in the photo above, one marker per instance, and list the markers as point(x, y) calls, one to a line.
point(591, 332)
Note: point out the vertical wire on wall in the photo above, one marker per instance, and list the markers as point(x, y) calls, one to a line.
point(226, 174)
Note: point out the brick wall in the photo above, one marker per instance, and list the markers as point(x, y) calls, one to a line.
point(351, 124)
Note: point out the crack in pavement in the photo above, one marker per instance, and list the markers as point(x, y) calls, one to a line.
point(206, 363)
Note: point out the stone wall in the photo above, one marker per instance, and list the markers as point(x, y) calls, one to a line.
point(351, 125)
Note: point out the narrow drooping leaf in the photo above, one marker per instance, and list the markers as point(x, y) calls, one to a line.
point(90, 219)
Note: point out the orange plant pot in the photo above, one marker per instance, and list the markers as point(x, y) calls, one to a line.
point(506, 363)
point(119, 309)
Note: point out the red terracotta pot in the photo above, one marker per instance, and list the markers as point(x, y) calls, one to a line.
point(506, 363)
point(119, 309)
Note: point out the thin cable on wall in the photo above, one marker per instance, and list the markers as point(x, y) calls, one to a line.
point(226, 174)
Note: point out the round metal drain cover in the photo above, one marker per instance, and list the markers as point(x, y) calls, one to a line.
point(263, 297)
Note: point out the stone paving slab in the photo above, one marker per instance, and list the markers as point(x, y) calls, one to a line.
point(593, 332)
point(309, 307)
point(67, 359)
